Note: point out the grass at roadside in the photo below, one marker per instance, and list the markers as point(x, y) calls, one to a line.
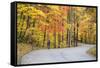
point(22, 49)
point(92, 51)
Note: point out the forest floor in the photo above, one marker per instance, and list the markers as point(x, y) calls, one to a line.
point(59, 55)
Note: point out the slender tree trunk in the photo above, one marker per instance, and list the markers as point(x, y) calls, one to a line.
point(59, 38)
point(44, 38)
point(54, 35)
point(62, 34)
point(68, 30)
point(20, 34)
point(62, 37)
point(28, 23)
point(68, 37)
point(37, 42)
point(54, 39)
point(77, 35)
point(88, 35)
point(85, 37)
point(48, 41)
point(74, 35)
point(81, 39)
point(75, 30)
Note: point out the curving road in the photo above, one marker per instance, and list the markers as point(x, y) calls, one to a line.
point(58, 55)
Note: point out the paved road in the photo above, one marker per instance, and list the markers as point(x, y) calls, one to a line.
point(58, 55)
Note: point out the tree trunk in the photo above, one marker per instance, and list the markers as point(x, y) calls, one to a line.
point(28, 24)
point(68, 38)
point(59, 38)
point(77, 35)
point(44, 38)
point(48, 41)
point(68, 41)
point(54, 39)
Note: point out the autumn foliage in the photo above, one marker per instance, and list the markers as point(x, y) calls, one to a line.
point(51, 26)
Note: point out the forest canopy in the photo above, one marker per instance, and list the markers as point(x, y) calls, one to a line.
point(54, 26)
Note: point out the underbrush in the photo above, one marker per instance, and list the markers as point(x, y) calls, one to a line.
point(22, 49)
point(92, 51)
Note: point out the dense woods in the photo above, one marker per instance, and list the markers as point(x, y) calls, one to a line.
point(51, 26)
